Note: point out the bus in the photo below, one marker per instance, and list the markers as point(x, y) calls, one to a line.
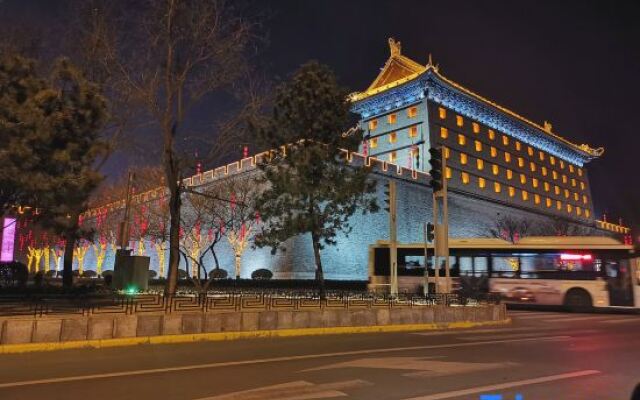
point(578, 272)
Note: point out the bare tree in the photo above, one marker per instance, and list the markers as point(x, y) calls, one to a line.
point(169, 54)
point(510, 228)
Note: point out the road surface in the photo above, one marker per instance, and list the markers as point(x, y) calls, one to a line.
point(542, 355)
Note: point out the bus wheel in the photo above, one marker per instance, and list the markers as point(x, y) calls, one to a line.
point(578, 300)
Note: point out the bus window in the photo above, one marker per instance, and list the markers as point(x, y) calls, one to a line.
point(504, 266)
point(466, 266)
point(480, 266)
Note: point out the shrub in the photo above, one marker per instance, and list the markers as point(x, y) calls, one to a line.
point(262, 274)
point(182, 274)
point(152, 274)
point(38, 278)
point(106, 273)
point(50, 274)
point(108, 279)
point(218, 273)
point(89, 274)
point(13, 273)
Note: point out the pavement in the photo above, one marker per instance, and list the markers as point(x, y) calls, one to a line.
point(543, 355)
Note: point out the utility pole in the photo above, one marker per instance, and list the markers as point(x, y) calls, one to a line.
point(390, 199)
point(428, 233)
point(440, 215)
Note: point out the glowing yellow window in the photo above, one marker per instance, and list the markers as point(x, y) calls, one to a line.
point(561, 164)
point(536, 198)
point(587, 213)
point(559, 205)
point(476, 127)
point(505, 140)
point(544, 171)
point(373, 124)
point(459, 120)
point(465, 178)
point(412, 112)
point(512, 191)
point(492, 134)
point(534, 182)
point(494, 152)
point(546, 186)
point(507, 157)
point(584, 199)
point(569, 208)
point(576, 197)
point(482, 183)
point(413, 132)
point(442, 113)
point(541, 156)
point(393, 137)
point(444, 133)
point(448, 173)
point(530, 151)
point(392, 118)
point(373, 143)
point(556, 189)
point(571, 168)
point(480, 164)
point(495, 169)
point(554, 174)
point(566, 194)
point(578, 210)
point(447, 153)
point(518, 145)
point(548, 202)
point(552, 160)
point(462, 140)
point(532, 166)
point(478, 146)
point(582, 185)
point(523, 179)
point(509, 174)
point(525, 195)
point(573, 182)
point(564, 179)
point(463, 159)
point(580, 174)
point(393, 157)
point(520, 162)
point(496, 187)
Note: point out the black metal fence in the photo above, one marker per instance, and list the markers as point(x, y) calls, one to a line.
point(39, 306)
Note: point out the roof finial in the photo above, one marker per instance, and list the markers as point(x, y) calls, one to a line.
point(431, 65)
point(394, 47)
point(547, 126)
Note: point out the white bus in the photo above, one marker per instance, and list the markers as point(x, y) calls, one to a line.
point(574, 271)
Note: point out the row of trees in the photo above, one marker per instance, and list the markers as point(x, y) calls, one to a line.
point(141, 71)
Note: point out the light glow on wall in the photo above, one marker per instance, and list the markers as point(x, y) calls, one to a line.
point(8, 239)
point(573, 257)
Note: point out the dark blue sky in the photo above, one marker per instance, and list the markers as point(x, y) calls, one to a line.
point(573, 63)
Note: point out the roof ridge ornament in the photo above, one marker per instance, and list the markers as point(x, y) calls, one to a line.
point(395, 47)
point(547, 126)
point(431, 65)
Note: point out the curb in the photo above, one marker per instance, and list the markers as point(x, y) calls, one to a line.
point(223, 336)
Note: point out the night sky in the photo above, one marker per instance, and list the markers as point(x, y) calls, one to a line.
point(573, 63)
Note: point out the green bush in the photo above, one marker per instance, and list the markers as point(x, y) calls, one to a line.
point(89, 273)
point(262, 274)
point(218, 273)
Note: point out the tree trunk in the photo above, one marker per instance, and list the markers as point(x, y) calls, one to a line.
point(70, 244)
point(174, 234)
point(238, 259)
point(319, 273)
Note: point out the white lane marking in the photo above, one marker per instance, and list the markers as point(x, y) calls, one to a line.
point(298, 390)
point(537, 316)
point(506, 385)
point(481, 331)
point(271, 360)
point(620, 320)
point(573, 333)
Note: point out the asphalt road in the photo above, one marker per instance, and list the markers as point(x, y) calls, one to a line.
point(542, 355)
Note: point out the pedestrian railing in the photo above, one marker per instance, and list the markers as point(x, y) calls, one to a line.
point(38, 306)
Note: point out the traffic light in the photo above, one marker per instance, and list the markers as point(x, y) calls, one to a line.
point(430, 232)
point(435, 159)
